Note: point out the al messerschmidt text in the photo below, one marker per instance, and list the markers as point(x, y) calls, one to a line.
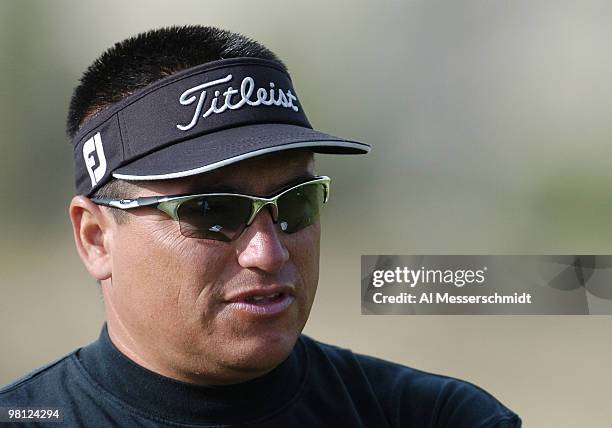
point(496, 298)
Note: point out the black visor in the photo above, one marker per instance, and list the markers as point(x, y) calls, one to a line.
point(198, 120)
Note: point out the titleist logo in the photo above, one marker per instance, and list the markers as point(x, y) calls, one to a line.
point(246, 95)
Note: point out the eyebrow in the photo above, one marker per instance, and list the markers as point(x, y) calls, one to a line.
point(225, 188)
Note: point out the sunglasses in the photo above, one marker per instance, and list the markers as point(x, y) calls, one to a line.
point(224, 216)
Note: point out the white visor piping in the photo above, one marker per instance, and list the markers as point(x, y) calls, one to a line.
point(239, 158)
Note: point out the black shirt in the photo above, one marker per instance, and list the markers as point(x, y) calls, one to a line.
point(318, 385)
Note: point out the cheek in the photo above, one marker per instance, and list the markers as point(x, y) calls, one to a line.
point(163, 273)
point(304, 250)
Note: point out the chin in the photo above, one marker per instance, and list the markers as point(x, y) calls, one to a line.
point(263, 352)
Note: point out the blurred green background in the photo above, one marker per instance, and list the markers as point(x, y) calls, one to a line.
point(490, 125)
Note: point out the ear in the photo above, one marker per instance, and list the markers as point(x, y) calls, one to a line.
point(92, 229)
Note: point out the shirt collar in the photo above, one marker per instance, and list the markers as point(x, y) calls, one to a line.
point(163, 397)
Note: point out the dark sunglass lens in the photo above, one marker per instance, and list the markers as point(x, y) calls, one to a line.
point(300, 207)
point(221, 218)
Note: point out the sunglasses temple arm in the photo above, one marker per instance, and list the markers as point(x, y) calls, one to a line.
point(125, 204)
point(148, 200)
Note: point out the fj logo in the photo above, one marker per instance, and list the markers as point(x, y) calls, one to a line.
point(95, 161)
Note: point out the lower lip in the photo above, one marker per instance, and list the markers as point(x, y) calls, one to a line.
point(268, 308)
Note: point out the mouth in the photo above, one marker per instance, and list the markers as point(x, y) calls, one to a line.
point(263, 301)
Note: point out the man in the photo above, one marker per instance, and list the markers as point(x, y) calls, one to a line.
point(197, 210)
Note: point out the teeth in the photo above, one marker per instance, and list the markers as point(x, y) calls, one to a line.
point(260, 298)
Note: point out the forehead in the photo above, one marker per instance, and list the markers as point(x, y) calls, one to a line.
point(259, 175)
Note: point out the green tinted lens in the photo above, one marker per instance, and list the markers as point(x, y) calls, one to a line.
point(222, 218)
point(300, 207)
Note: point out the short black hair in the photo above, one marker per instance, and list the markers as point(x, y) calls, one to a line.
point(139, 61)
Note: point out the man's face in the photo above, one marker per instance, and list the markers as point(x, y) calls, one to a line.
point(169, 294)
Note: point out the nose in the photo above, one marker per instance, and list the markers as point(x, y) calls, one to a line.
point(260, 246)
